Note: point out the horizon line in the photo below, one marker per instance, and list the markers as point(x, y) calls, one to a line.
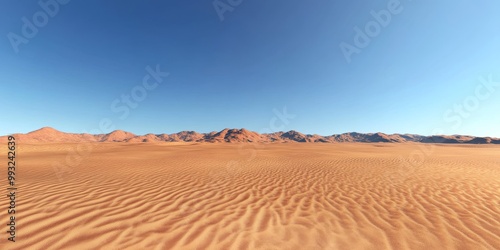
point(292, 130)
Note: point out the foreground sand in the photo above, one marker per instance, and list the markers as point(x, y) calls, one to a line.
point(275, 196)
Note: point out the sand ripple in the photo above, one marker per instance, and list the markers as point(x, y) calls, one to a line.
point(289, 196)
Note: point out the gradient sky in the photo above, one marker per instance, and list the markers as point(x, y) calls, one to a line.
point(264, 55)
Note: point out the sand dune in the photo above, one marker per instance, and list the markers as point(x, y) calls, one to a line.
point(257, 196)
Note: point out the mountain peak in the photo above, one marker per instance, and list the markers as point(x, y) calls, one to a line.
point(118, 135)
point(46, 132)
point(46, 129)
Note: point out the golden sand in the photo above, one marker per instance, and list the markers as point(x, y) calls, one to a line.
point(257, 196)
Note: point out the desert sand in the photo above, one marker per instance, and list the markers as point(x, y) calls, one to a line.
point(257, 196)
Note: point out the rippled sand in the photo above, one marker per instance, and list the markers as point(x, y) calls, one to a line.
point(257, 196)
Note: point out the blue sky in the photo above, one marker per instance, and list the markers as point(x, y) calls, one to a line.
point(264, 55)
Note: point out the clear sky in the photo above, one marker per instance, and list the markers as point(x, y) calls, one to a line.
point(263, 55)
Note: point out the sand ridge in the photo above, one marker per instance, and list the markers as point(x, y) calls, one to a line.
point(278, 196)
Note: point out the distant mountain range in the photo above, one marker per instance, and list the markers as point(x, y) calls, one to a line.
point(48, 134)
